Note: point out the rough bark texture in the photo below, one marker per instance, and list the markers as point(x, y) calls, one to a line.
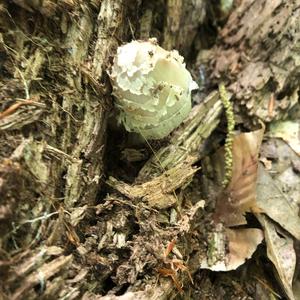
point(54, 101)
point(67, 230)
point(258, 54)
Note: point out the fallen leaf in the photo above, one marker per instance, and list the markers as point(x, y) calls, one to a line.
point(242, 244)
point(229, 248)
point(290, 184)
point(280, 251)
point(285, 168)
point(240, 195)
point(274, 203)
point(287, 130)
point(232, 248)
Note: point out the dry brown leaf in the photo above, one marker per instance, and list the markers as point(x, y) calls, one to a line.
point(274, 203)
point(231, 247)
point(241, 245)
point(240, 195)
point(280, 251)
point(289, 131)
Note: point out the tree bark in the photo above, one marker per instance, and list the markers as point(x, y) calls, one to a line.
point(258, 55)
point(55, 98)
point(67, 230)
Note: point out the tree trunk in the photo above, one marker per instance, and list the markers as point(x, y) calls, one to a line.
point(67, 230)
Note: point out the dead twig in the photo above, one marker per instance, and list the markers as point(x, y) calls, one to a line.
point(15, 106)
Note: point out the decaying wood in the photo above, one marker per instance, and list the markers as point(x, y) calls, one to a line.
point(159, 192)
point(54, 100)
point(258, 53)
point(174, 23)
point(68, 232)
point(187, 140)
point(183, 19)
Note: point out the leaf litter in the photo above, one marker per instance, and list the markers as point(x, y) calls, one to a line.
point(253, 190)
point(232, 239)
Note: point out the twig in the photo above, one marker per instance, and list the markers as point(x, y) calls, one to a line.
point(14, 107)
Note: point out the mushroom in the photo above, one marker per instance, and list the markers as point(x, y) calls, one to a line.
point(152, 88)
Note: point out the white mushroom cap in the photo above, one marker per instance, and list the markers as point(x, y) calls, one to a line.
point(152, 88)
